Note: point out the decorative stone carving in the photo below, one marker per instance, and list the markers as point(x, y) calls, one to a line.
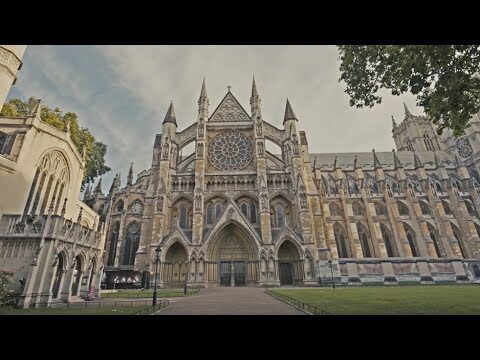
point(198, 199)
point(260, 149)
point(165, 148)
point(264, 201)
point(200, 150)
point(201, 128)
point(230, 151)
point(230, 110)
point(159, 205)
point(464, 148)
point(303, 200)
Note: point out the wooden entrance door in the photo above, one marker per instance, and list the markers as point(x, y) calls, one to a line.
point(286, 274)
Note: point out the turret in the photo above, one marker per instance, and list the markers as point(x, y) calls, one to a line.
point(203, 102)
point(130, 176)
point(255, 100)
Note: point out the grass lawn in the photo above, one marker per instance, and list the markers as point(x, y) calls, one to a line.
point(162, 293)
point(404, 300)
point(75, 310)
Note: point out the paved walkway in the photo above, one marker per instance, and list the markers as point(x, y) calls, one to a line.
point(229, 301)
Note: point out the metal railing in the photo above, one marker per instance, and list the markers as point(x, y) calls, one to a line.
point(98, 304)
point(149, 294)
point(162, 304)
point(310, 309)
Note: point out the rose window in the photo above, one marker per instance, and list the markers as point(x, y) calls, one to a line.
point(464, 148)
point(230, 151)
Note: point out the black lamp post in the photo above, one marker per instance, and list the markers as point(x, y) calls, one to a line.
point(331, 271)
point(157, 258)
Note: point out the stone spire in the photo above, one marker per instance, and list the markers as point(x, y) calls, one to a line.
point(98, 188)
point(394, 124)
point(170, 117)
point(115, 183)
point(416, 161)
point(407, 112)
point(130, 175)
point(254, 99)
point(289, 114)
point(87, 192)
point(335, 163)
point(355, 163)
point(376, 162)
point(203, 92)
point(396, 161)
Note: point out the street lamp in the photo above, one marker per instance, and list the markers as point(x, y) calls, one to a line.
point(157, 258)
point(331, 271)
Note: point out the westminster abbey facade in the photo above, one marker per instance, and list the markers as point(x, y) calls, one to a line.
point(234, 213)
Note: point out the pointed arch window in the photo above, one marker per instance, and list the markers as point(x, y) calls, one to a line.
point(380, 208)
point(335, 209)
point(408, 144)
point(425, 208)
point(113, 244)
point(387, 239)
point(358, 209)
point(132, 240)
point(435, 243)
point(428, 142)
point(218, 210)
point(447, 208)
point(210, 213)
point(244, 209)
point(340, 241)
point(253, 213)
point(280, 215)
point(183, 218)
point(403, 209)
point(411, 242)
point(364, 240)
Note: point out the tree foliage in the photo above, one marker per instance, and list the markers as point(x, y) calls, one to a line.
point(81, 137)
point(5, 279)
point(444, 78)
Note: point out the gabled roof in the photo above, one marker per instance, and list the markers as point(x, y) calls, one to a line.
point(229, 109)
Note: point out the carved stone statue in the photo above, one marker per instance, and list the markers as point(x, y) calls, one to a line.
point(159, 206)
point(200, 149)
point(260, 148)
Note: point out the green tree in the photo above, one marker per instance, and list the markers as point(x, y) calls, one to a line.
point(81, 137)
point(444, 78)
point(5, 279)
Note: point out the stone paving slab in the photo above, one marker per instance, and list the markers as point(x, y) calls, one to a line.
point(229, 301)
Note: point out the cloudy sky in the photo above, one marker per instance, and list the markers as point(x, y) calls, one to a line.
point(121, 93)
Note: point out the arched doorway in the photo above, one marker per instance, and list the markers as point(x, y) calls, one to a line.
point(77, 275)
point(476, 271)
point(288, 263)
point(175, 267)
point(234, 254)
point(58, 275)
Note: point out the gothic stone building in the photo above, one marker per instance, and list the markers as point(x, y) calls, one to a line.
point(234, 213)
point(51, 242)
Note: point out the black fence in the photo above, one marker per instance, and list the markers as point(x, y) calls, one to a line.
point(311, 309)
point(98, 304)
point(162, 293)
point(162, 304)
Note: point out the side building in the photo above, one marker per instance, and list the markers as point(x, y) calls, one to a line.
point(50, 241)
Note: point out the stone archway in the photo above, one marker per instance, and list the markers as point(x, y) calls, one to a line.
point(175, 266)
point(289, 264)
point(59, 276)
point(233, 258)
point(77, 276)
